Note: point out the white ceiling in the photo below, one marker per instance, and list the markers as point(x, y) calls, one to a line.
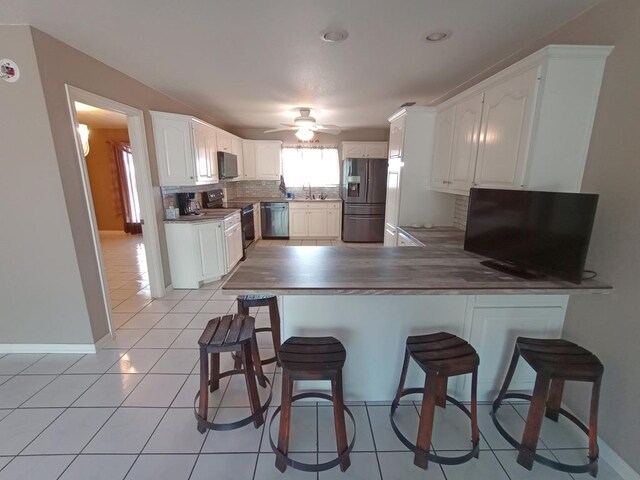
point(94, 117)
point(252, 62)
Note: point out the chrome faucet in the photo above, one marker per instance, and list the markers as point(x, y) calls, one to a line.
point(309, 194)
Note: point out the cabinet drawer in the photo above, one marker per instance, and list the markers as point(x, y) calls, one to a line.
point(317, 206)
point(334, 205)
point(298, 206)
point(232, 220)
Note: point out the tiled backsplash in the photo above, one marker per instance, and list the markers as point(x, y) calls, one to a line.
point(269, 188)
point(460, 212)
point(249, 188)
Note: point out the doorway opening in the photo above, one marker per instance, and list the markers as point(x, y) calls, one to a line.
point(117, 182)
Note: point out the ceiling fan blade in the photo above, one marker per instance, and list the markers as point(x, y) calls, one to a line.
point(326, 127)
point(289, 125)
point(329, 129)
point(283, 129)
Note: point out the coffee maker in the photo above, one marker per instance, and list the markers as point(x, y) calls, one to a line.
point(187, 204)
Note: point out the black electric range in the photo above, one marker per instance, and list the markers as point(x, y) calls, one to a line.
point(215, 199)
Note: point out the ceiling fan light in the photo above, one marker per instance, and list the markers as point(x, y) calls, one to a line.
point(304, 134)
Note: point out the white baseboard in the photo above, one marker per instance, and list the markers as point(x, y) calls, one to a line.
point(607, 453)
point(621, 467)
point(47, 348)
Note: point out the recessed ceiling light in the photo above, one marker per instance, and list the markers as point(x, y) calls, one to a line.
point(335, 36)
point(437, 36)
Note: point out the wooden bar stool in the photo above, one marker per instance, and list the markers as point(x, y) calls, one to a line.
point(440, 355)
point(312, 358)
point(231, 333)
point(251, 301)
point(555, 362)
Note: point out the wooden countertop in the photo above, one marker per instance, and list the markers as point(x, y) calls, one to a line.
point(441, 267)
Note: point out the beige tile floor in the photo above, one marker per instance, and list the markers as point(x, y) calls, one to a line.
point(126, 412)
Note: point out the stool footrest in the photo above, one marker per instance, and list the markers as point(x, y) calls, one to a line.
point(562, 467)
point(432, 457)
point(232, 425)
point(312, 467)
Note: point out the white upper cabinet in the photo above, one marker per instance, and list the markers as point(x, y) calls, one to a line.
point(225, 141)
point(506, 131)
point(364, 150)
point(204, 141)
point(465, 143)
point(528, 126)
point(396, 138)
point(409, 199)
point(248, 160)
point(174, 151)
point(268, 162)
point(376, 150)
point(443, 149)
point(185, 150)
point(352, 150)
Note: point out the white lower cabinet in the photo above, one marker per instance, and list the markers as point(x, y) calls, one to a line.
point(207, 245)
point(196, 252)
point(318, 222)
point(315, 220)
point(494, 324)
point(233, 241)
point(334, 222)
point(390, 236)
point(203, 251)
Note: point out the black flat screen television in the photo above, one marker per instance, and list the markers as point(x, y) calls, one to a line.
point(531, 233)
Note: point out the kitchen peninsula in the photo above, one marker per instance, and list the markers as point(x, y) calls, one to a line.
point(371, 299)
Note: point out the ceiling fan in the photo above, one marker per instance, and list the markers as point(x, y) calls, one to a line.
point(305, 126)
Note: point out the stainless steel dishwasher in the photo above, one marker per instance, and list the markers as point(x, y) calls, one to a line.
point(275, 219)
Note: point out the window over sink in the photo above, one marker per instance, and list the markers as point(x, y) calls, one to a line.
point(315, 165)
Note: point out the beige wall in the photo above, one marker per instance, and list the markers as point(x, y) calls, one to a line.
point(61, 64)
point(103, 177)
point(41, 295)
point(289, 138)
point(610, 325)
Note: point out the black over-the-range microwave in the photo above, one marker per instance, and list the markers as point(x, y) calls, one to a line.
point(227, 165)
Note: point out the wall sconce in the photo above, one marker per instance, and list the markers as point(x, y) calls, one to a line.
point(83, 130)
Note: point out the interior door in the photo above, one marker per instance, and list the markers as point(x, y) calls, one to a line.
point(506, 131)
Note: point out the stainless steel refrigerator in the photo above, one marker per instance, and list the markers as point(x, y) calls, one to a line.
point(364, 191)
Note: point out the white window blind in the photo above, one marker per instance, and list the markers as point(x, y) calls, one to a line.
point(318, 166)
